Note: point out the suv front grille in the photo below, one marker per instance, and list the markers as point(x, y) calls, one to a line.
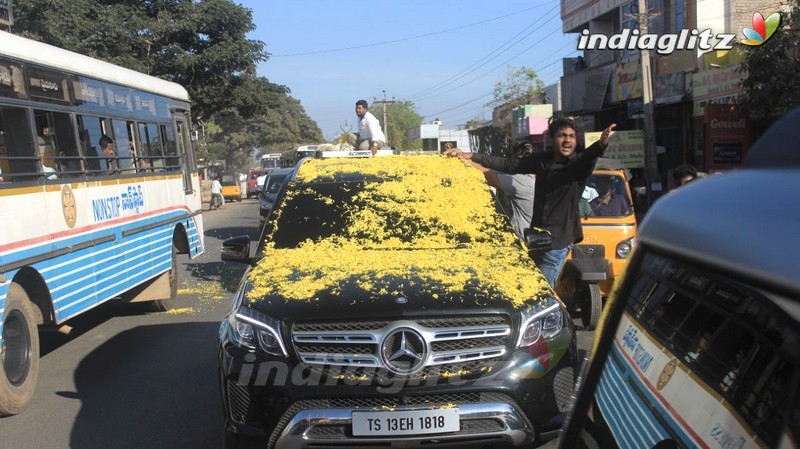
point(452, 344)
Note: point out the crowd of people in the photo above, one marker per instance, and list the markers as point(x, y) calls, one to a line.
point(561, 176)
point(548, 190)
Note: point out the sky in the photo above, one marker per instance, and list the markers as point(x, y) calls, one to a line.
point(444, 56)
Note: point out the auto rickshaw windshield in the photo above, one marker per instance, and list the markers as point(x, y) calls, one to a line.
point(605, 195)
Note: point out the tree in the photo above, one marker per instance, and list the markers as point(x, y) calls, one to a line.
point(521, 86)
point(476, 122)
point(401, 116)
point(237, 139)
point(769, 89)
point(201, 45)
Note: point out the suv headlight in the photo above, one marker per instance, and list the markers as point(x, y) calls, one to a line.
point(624, 248)
point(251, 328)
point(543, 321)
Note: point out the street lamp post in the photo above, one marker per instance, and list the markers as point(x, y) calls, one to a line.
point(384, 102)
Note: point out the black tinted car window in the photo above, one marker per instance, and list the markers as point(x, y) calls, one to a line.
point(313, 213)
point(373, 214)
point(275, 183)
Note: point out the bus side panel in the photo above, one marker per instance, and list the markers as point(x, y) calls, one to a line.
point(646, 395)
point(111, 245)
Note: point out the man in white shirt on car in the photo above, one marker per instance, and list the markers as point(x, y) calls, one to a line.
point(370, 136)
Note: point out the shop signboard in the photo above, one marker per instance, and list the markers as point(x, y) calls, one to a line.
point(716, 86)
point(624, 146)
point(728, 136)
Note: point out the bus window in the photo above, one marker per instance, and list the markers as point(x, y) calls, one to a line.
point(59, 153)
point(144, 161)
point(124, 145)
point(17, 159)
point(156, 145)
point(170, 149)
point(185, 159)
point(45, 143)
point(695, 332)
point(91, 129)
point(151, 141)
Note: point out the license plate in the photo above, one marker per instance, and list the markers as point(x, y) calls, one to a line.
point(405, 422)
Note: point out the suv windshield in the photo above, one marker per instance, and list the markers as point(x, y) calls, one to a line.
point(444, 207)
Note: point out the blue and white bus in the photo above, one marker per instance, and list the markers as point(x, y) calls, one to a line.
point(98, 194)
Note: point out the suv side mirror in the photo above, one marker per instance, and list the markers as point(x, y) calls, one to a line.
point(236, 249)
point(537, 240)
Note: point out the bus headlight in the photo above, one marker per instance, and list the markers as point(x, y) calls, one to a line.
point(624, 248)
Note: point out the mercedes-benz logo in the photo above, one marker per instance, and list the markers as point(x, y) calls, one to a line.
point(404, 351)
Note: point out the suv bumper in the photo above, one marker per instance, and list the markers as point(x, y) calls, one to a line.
point(510, 411)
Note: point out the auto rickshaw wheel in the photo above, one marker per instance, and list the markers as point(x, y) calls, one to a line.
point(591, 302)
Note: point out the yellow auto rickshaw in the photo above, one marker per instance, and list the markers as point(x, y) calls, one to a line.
point(609, 230)
point(231, 186)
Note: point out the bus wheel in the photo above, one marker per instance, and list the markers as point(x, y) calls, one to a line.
point(162, 305)
point(588, 296)
point(20, 357)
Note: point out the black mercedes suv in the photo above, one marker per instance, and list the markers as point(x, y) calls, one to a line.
point(390, 305)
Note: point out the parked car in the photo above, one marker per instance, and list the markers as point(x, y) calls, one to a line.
point(609, 233)
point(699, 345)
point(389, 305)
point(269, 190)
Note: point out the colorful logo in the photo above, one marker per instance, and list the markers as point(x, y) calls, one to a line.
point(762, 29)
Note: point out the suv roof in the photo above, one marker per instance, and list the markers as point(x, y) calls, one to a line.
point(280, 171)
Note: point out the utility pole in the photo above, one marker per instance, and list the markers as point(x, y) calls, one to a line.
point(652, 176)
point(384, 102)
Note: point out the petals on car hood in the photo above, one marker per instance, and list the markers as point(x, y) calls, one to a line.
point(307, 274)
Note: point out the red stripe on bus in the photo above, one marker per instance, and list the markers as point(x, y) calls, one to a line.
point(83, 229)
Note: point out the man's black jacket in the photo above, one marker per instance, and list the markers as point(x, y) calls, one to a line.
point(559, 185)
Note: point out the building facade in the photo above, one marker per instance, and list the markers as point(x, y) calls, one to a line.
point(605, 86)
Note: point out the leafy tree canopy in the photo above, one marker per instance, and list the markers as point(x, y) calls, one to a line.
point(521, 86)
point(401, 116)
point(769, 89)
point(239, 140)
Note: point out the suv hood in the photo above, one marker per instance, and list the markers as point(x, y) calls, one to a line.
point(336, 283)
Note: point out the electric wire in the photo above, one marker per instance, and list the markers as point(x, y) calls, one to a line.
point(375, 44)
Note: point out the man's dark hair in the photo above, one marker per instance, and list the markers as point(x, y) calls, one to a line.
point(683, 171)
point(105, 140)
point(560, 121)
point(362, 103)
